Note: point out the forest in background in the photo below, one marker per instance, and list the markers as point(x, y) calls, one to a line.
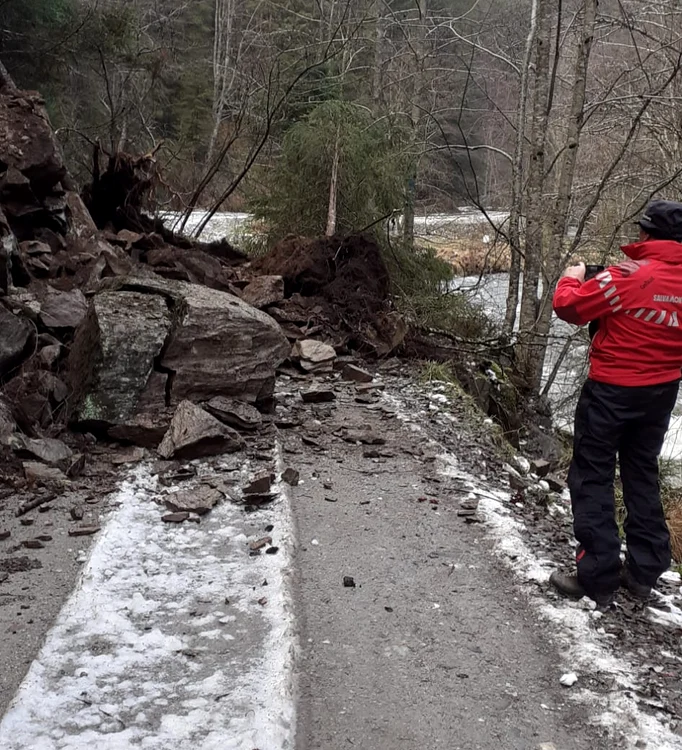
point(203, 74)
point(327, 116)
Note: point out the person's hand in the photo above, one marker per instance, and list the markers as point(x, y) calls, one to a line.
point(575, 272)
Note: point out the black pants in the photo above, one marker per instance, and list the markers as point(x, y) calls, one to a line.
point(630, 422)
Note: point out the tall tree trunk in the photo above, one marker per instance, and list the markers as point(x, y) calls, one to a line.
point(334, 188)
point(516, 211)
point(222, 52)
point(379, 41)
point(535, 203)
point(123, 137)
point(415, 117)
point(6, 81)
point(560, 214)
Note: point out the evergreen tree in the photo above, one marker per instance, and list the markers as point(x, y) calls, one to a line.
point(369, 173)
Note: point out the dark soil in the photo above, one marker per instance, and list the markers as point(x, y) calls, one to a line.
point(340, 282)
point(348, 271)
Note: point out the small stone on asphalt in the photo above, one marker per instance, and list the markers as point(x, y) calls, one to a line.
point(33, 544)
point(260, 543)
point(291, 477)
point(84, 531)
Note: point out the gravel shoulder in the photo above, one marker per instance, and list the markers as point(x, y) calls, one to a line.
point(35, 581)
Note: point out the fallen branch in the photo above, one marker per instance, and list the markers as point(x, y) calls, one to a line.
point(33, 504)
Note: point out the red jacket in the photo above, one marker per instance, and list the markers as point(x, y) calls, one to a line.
point(639, 307)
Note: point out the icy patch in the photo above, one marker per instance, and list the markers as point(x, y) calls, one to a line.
point(585, 650)
point(164, 644)
point(672, 619)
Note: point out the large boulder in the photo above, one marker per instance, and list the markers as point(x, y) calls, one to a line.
point(113, 355)
point(16, 338)
point(27, 142)
point(235, 414)
point(148, 344)
point(7, 423)
point(264, 291)
point(63, 309)
point(194, 433)
point(8, 250)
point(47, 450)
point(219, 345)
point(80, 222)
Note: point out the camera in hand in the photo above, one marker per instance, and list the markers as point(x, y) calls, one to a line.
point(591, 270)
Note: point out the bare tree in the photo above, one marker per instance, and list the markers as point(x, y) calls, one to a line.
point(223, 71)
point(418, 48)
point(516, 198)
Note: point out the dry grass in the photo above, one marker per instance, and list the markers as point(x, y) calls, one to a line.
point(469, 256)
point(671, 498)
point(673, 514)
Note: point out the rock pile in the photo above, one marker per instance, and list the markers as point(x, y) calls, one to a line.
point(336, 285)
point(115, 327)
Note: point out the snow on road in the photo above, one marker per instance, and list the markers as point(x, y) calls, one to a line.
point(164, 645)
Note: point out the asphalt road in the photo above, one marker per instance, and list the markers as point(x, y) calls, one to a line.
point(434, 646)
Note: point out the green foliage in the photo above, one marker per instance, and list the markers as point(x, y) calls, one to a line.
point(36, 15)
point(421, 282)
point(318, 85)
point(370, 173)
point(115, 31)
point(440, 372)
point(30, 30)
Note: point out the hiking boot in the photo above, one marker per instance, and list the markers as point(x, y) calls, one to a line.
point(627, 581)
point(570, 586)
point(567, 585)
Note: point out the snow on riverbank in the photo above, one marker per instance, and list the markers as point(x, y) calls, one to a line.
point(235, 225)
point(164, 644)
point(229, 225)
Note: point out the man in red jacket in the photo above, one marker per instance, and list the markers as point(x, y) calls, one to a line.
point(625, 407)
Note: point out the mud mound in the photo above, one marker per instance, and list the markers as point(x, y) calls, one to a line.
point(341, 282)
